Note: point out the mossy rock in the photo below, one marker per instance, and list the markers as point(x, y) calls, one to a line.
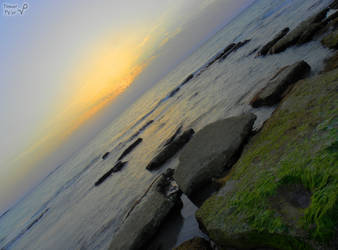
point(282, 193)
point(331, 40)
point(331, 63)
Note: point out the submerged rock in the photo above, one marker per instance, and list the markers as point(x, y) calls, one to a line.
point(195, 244)
point(279, 84)
point(303, 33)
point(130, 148)
point(115, 169)
point(212, 151)
point(274, 197)
point(170, 150)
point(148, 214)
point(264, 51)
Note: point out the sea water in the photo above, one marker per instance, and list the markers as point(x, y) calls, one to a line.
point(66, 211)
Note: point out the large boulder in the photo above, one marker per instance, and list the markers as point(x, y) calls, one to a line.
point(277, 86)
point(212, 151)
point(147, 215)
point(301, 34)
point(170, 149)
point(195, 244)
point(269, 45)
point(283, 191)
point(334, 5)
point(331, 40)
point(331, 63)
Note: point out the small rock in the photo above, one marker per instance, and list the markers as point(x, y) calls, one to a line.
point(194, 244)
point(170, 150)
point(212, 151)
point(130, 148)
point(278, 85)
point(146, 217)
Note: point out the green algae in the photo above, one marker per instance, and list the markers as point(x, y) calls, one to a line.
point(298, 145)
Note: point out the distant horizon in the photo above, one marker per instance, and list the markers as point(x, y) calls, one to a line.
point(46, 124)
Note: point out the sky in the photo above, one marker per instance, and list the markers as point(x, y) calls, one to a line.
point(65, 62)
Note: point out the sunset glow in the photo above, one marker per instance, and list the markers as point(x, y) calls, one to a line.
point(64, 65)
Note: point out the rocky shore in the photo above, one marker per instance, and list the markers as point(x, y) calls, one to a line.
point(275, 188)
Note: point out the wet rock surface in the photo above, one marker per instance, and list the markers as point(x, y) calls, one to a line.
point(331, 40)
point(264, 51)
point(147, 215)
point(303, 33)
point(170, 150)
point(211, 152)
point(277, 87)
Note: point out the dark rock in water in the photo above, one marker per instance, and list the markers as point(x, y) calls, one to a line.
point(233, 48)
point(264, 51)
point(301, 34)
point(141, 130)
point(195, 244)
point(211, 152)
point(105, 155)
point(115, 169)
point(331, 40)
point(334, 5)
point(173, 137)
point(225, 52)
point(37, 219)
point(253, 51)
point(147, 215)
point(170, 150)
point(277, 87)
point(242, 43)
point(174, 92)
point(187, 79)
point(130, 148)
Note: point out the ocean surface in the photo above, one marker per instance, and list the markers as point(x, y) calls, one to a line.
point(66, 211)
